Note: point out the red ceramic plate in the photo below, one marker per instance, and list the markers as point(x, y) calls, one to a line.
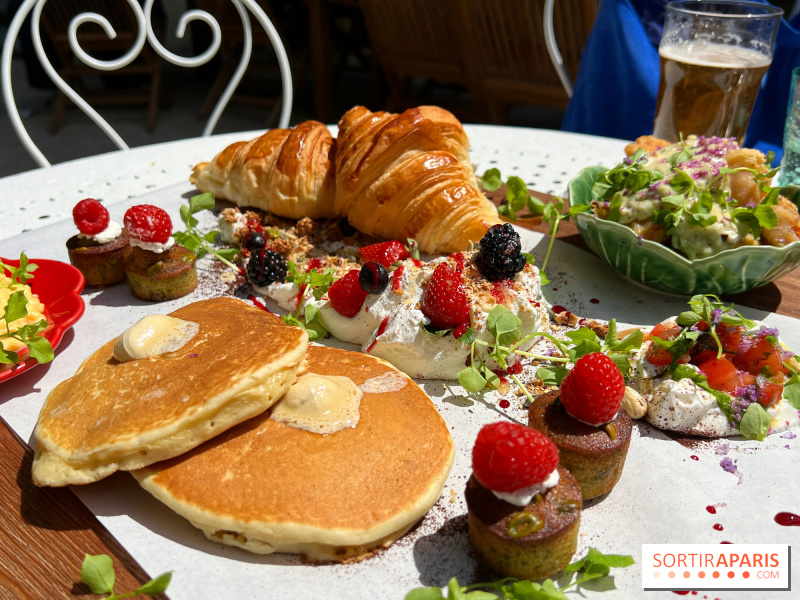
point(59, 287)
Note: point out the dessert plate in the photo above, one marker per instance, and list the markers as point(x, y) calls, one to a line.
point(59, 287)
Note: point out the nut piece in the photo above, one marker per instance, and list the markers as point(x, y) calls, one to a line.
point(633, 403)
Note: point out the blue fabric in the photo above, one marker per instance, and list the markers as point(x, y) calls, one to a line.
point(617, 84)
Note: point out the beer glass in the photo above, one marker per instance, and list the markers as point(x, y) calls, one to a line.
point(713, 57)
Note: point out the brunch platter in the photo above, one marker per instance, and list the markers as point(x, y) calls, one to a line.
point(710, 485)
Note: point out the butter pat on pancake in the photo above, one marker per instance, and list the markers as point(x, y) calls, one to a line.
point(267, 487)
point(114, 415)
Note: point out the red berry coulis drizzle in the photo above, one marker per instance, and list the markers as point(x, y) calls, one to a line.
point(499, 290)
point(504, 403)
point(397, 277)
point(459, 258)
point(718, 527)
point(557, 308)
point(711, 509)
point(379, 333)
point(693, 457)
point(594, 301)
point(787, 519)
point(258, 303)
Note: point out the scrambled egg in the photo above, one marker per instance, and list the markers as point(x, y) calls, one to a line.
point(35, 312)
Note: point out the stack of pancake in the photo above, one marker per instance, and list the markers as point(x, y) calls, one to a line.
point(195, 428)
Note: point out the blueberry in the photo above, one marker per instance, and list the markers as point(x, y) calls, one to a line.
point(373, 278)
point(254, 241)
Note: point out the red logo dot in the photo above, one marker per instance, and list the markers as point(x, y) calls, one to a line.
point(686, 574)
point(715, 574)
point(731, 574)
point(746, 574)
point(701, 574)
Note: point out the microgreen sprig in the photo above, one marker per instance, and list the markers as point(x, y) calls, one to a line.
point(585, 341)
point(594, 566)
point(518, 197)
point(97, 572)
point(17, 308)
point(312, 283)
point(195, 241)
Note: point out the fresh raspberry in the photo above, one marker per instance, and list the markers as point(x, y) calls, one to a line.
point(444, 301)
point(386, 253)
point(592, 392)
point(148, 223)
point(346, 295)
point(90, 216)
point(509, 456)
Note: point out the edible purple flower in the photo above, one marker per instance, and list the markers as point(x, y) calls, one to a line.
point(786, 355)
point(788, 435)
point(723, 448)
point(769, 331)
point(716, 316)
point(729, 466)
point(640, 240)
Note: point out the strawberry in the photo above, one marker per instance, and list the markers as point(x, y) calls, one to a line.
point(592, 392)
point(444, 301)
point(90, 216)
point(346, 295)
point(148, 223)
point(509, 456)
point(385, 253)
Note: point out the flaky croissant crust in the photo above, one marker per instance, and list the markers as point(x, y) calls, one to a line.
point(409, 175)
point(288, 172)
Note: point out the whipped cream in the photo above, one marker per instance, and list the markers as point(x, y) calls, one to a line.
point(390, 325)
point(156, 247)
point(524, 496)
point(112, 231)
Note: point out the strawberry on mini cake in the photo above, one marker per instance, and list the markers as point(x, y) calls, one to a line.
point(584, 420)
point(523, 507)
point(158, 269)
point(412, 313)
point(99, 250)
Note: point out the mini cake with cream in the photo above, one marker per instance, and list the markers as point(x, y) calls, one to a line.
point(158, 269)
point(584, 420)
point(99, 250)
point(523, 507)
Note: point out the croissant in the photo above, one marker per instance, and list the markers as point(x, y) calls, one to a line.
point(409, 176)
point(288, 172)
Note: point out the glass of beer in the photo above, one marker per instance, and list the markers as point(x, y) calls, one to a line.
point(713, 57)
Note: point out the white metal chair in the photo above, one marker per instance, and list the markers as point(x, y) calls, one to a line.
point(145, 34)
point(552, 47)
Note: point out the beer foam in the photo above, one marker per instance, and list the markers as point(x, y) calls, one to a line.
point(711, 54)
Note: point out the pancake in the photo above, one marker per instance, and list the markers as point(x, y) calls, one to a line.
point(267, 487)
point(125, 415)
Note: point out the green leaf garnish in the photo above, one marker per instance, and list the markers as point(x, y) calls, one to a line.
point(195, 241)
point(17, 308)
point(595, 565)
point(755, 422)
point(97, 572)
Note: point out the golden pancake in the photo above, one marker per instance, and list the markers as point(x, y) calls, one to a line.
point(268, 487)
point(125, 415)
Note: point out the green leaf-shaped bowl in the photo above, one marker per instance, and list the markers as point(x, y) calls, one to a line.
point(659, 267)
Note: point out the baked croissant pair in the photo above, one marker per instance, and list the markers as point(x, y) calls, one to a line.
point(393, 176)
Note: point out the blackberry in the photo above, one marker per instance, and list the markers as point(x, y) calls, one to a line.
point(500, 255)
point(373, 278)
point(265, 267)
